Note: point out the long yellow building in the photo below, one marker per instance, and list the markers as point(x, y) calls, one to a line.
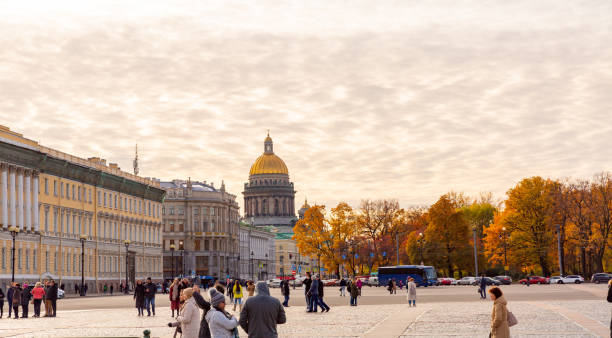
point(57, 204)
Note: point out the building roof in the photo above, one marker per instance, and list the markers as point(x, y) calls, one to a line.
point(195, 186)
point(268, 162)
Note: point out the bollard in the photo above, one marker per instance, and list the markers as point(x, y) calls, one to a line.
point(147, 333)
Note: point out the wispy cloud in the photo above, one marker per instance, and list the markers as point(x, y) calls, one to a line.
point(385, 99)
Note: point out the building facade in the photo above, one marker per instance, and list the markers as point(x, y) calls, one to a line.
point(201, 224)
point(73, 217)
point(269, 194)
point(257, 253)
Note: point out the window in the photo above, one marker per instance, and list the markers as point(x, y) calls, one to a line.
point(140, 207)
point(163, 210)
point(197, 244)
point(149, 207)
point(34, 260)
point(131, 205)
point(54, 188)
point(47, 260)
point(73, 192)
point(181, 211)
point(105, 199)
point(90, 233)
point(115, 202)
point(99, 198)
point(89, 193)
point(46, 186)
point(79, 193)
point(3, 258)
point(195, 211)
point(62, 189)
point(181, 247)
point(46, 219)
point(212, 211)
point(203, 210)
point(19, 258)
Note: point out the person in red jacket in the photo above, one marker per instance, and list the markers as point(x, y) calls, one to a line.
point(38, 292)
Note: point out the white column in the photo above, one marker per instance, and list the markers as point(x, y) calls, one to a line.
point(4, 194)
point(20, 199)
point(35, 206)
point(28, 201)
point(12, 192)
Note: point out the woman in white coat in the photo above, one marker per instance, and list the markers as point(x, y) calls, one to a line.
point(221, 323)
point(411, 289)
point(189, 317)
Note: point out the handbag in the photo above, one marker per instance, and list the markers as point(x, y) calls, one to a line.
point(511, 319)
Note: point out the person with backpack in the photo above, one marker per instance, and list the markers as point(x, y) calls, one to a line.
point(499, 315)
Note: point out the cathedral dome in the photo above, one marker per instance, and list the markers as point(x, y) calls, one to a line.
point(268, 162)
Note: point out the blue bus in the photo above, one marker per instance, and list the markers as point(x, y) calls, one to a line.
point(423, 275)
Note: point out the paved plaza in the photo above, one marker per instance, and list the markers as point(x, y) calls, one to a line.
point(542, 311)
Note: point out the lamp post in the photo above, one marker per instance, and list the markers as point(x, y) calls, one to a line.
point(420, 242)
point(559, 250)
point(266, 266)
point(14, 231)
point(475, 252)
point(251, 266)
point(127, 246)
point(172, 248)
point(83, 238)
point(503, 236)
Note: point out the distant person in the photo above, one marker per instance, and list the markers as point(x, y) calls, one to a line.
point(499, 315)
point(25, 300)
point(610, 301)
point(359, 284)
point(111, 289)
point(313, 295)
point(205, 306)
point(9, 298)
point(250, 288)
point(262, 313)
point(483, 287)
point(237, 292)
point(105, 288)
point(150, 290)
point(285, 290)
point(2, 303)
point(390, 287)
point(16, 299)
point(221, 323)
point(175, 297)
point(52, 298)
point(411, 292)
point(307, 283)
point(342, 287)
point(230, 287)
point(139, 297)
point(354, 292)
point(76, 288)
point(38, 293)
point(320, 302)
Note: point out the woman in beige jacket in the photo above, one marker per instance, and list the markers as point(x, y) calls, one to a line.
point(499, 316)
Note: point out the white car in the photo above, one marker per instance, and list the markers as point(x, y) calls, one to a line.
point(60, 293)
point(452, 281)
point(372, 281)
point(567, 279)
point(466, 281)
point(274, 283)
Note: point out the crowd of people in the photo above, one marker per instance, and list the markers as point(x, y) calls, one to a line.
point(19, 296)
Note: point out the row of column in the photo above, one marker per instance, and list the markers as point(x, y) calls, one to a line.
point(19, 190)
point(266, 206)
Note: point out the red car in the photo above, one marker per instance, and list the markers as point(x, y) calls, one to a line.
point(534, 280)
point(444, 281)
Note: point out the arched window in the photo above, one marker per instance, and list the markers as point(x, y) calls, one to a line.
point(276, 210)
point(265, 207)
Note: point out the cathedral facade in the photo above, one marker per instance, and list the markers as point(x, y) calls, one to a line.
point(269, 194)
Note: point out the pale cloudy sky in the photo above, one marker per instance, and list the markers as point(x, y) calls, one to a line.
point(364, 99)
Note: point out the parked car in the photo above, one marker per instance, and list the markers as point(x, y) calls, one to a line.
point(600, 278)
point(505, 280)
point(444, 281)
point(60, 293)
point(330, 282)
point(273, 283)
point(466, 281)
point(534, 280)
point(572, 279)
point(488, 281)
point(372, 281)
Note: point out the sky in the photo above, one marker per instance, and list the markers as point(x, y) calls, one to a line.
point(364, 99)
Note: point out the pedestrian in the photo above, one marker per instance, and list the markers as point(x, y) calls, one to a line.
point(38, 293)
point(359, 285)
point(111, 289)
point(230, 289)
point(76, 288)
point(307, 283)
point(237, 294)
point(105, 288)
point(205, 306)
point(320, 302)
point(610, 301)
point(85, 289)
point(25, 300)
point(188, 317)
point(411, 292)
point(285, 290)
point(149, 293)
point(390, 286)
point(221, 323)
point(16, 299)
point(251, 288)
point(313, 295)
point(52, 298)
point(139, 296)
point(483, 287)
point(342, 287)
point(174, 296)
point(262, 313)
point(2, 303)
point(394, 286)
point(354, 292)
point(499, 315)
point(9, 298)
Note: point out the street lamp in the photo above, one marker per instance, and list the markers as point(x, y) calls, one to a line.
point(172, 247)
point(475, 252)
point(503, 237)
point(127, 245)
point(251, 266)
point(14, 231)
point(420, 242)
point(266, 266)
point(83, 239)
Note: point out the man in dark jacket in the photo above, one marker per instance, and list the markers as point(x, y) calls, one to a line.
point(483, 287)
point(324, 307)
point(52, 298)
point(205, 306)
point(342, 287)
point(9, 297)
point(150, 290)
point(313, 295)
point(16, 299)
point(261, 313)
point(307, 283)
point(25, 301)
point(285, 292)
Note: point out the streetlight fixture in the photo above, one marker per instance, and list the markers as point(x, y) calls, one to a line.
point(421, 242)
point(127, 246)
point(172, 248)
point(14, 231)
point(475, 251)
point(83, 238)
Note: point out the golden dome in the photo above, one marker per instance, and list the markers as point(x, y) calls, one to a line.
point(269, 164)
